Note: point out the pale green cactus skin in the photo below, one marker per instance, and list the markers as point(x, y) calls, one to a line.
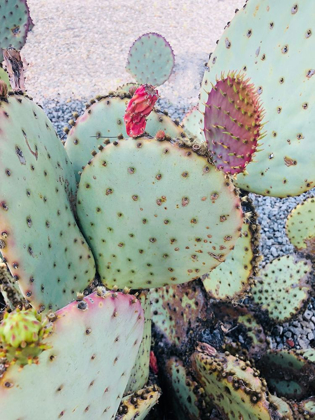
point(156, 214)
point(151, 59)
point(80, 383)
point(273, 44)
point(43, 247)
point(193, 124)
point(5, 77)
point(283, 286)
point(17, 22)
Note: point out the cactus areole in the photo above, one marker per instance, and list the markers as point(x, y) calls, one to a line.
point(139, 107)
point(232, 122)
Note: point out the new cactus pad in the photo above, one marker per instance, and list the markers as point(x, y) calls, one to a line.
point(151, 59)
point(71, 379)
point(155, 213)
point(233, 122)
point(273, 44)
point(283, 286)
point(39, 238)
point(300, 227)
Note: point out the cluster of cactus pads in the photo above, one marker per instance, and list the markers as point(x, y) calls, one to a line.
point(130, 259)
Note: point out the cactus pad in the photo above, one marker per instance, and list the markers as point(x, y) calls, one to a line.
point(39, 238)
point(151, 59)
point(17, 22)
point(105, 119)
point(140, 372)
point(300, 227)
point(156, 213)
point(80, 384)
point(232, 122)
point(273, 45)
point(5, 77)
point(193, 124)
point(138, 405)
point(176, 309)
point(233, 386)
point(283, 286)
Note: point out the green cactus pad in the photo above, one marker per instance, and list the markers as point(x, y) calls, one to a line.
point(234, 276)
point(283, 286)
point(126, 89)
point(105, 119)
point(84, 373)
point(39, 237)
point(138, 405)
point(255, 333)
point(186, 394)
point(140, 372)
point(233, 385)
point(151, 59)
point(300, 226)
point(5, 77)
point(289, 373)
point(156, 214)
point(193, 124)
point(17, 22)
point(175, 309)
point(273, 44)
point(282, 409)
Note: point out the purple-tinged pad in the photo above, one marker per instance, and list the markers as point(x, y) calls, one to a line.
point(151, 59)
point(94, 344)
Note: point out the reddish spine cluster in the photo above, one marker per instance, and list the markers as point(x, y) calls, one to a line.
point(139, 107)
point(233, 122)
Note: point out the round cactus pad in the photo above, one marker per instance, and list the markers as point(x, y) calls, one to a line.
point(105, 119)
point(156, 214)
point(39, 238)
point(283, 287)
point(300, 226)
point(16, 24)
point(151, 59)
point(85, 371)
point(273, 44)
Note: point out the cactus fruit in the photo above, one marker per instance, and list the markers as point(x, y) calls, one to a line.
point(176, 310)
point(17, 22)
point(105, 118)
point(235, 275)
point(22, 335)
point(139, 107)
point(39, 239)
point(179, 218)
point(71, 378)
point(151, 59)
point(192, 124)
point(283, 286)
point(234, 387)
point(138, 405)
point(187, 396)
point(289, 373)
point(273, 45)
point(140, 372)
point(300, 227)
point(233, 122)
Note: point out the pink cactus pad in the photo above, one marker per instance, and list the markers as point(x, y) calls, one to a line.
point(232, 122)
point(139, 107)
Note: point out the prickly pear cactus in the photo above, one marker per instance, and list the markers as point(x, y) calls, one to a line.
point(233, 122)
point(179, 218)
point(104, 119)
point(80, 384)
point(17, 22)
point(140, 372)
point(300, 227)
point(151, 59)
point(233, 385)
point(193, 123)
point(39, 238)
point(273, 44)
point(5, 78)
point(305, 409)
point(281, 408)
point(283, 286)
point(176, 310)
point(138, 405)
